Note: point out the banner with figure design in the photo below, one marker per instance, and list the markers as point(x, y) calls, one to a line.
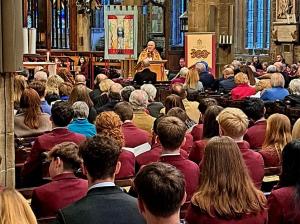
point(121, 26)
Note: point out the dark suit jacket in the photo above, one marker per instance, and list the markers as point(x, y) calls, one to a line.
point(145, 76)
point(227, 84)
point(64, 190)
point(256, 134)
point(282, 208)
point(133, 135)
point(189, 169)
point(102, 205)
point(207, 80)
point(32, 171)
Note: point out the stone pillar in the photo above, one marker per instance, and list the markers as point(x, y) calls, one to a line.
point(7, 152)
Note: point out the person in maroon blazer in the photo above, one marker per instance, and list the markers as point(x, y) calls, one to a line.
point(233, 123)
point(284, 200)
point(171, 134)
point(254, 108)
point(226, 194)
point(109, 123)
point(61, 116)
point(65, 188)
point(210, 129)
point(133, 136)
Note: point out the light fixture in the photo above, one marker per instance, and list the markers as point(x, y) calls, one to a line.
point(183, 19)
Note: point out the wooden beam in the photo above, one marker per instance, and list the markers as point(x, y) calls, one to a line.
point(73, 25)
point(48, 24)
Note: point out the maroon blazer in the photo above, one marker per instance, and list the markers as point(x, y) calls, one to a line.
point(189, 169)
point(254, 163)
point(196, 216)
point(256, 134)
point(197, 132)
point(188, 143)
point(282, 208)
point(272, 158)
point(153, 155)
point(197, 151)
point(127, 160)
point(64, 190)
point(32, 170)
point(133, 135)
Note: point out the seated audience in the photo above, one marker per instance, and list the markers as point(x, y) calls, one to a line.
point(284, 199)
point(52, 88)
point(192, 82)
point(278, 134)
point(14, 208)
point(109, 123)
point(206, 79)
point(161, 191)
point(153, 107)
point(250, 72)
point(40, 88)
point(125, 93)
point(65, 90)
point(81, 79)
point(114, 97)
point(65, 188)
point(227, 84)
point(204, 103)
point(96, 92)
point(172, 101)
point(210, 129)
point(242, 89)
point(79, 93)
point(181, 76)
point(31, 122)
point(66, 75)
point(61, 116)
point(146, 75)
point(277, 92)
point(20, 84)
point(139, 101)
point(294, 97)
point(133, 136)
point(105, 202)
point(260, 86)
point(255, 111)
point(102, 99)
point(41, 76)
point(171, 135)
point(80, 123)
point(234, 123)
point(191, 107)
point(226, 193)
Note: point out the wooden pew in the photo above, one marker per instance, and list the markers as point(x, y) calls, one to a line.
point(46, 220)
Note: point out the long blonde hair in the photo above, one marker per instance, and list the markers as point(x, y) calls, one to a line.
point(191, 80)
point(14, 209)
point(226, 189)
point(20, 85)
point(278, 132)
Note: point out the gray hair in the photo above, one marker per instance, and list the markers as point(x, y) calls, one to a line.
point(41, 76)
point(150, 90)
point(200, 67)
point(277, 80)
point(138, 99)
point(294, 86)
point(126, 91)
point(81, 109)
point(271, 69)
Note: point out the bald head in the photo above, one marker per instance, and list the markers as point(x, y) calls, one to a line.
point(80, 79)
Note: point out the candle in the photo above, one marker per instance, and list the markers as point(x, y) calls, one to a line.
point(223, 39)
point(227, 39)
point(48, 56)
point(230, 39)
point(220, 40)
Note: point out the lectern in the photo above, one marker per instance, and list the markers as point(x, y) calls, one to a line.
point(156, 66)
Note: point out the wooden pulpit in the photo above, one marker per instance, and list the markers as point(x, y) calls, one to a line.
point(156, 66)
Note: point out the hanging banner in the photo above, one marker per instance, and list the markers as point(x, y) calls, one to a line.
point(201, 47)
point(121, 27)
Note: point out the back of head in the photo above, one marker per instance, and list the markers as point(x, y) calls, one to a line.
point(61, 113)
point(271, 69)
point(204, 103)
point(178, 112)
point(254, 108)
point(81, 110)
point(109, 123)
point(53, 82)
point(236, 64)
point(263, 84)
point(210, 124)
point(100, 155)
point(14, 208)
point(279, 66)
point(294, 86)
point(249, 72)
point(228, 72)
point(124, 110)
point(183, 72)
point(105, 85)
point(41, 76)
point(125, 92)
point(150, 90)
point(138, 99)
point(99, 78)
point(277, 80)
point(173, 101)
point(224, 174)
point(80, 79)
point(278, 132)
point(20, 85)
point(145, 63)
point(171, 132)
point(68, 153)
point(178, 89)
point(161, 189)
point(39, 87)
point(65, 89)
point(80, 93)
point(241, 78)
point(115, 91)
point(200, 67)
point(233, 122)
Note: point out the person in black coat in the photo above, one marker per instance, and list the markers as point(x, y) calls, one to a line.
point(146, 75)
point(105, 203)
